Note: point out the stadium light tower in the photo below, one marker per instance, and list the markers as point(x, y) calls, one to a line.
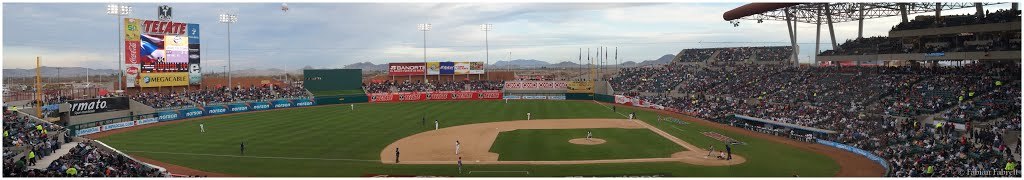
point(424, 27)
point(487, 28)
point(229, 18)
point(118, 11)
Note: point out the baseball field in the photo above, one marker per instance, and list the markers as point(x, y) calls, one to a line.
point(495, 140)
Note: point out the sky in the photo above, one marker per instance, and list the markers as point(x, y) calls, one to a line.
point(331, 35)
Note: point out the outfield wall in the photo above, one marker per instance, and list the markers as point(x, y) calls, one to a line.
point(171, 115)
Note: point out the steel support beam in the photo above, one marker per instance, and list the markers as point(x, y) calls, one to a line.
point(831, 30)
point(903, 12)
point(817, 38)
point(860, 21)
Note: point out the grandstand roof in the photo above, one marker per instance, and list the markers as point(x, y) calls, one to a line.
point(841, 12)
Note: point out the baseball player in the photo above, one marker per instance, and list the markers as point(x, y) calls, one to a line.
point(353, 106)
point(396, 155)
point(460, 165)
point(589, 135)
point(423, 122)
point(631, 115)
point(435, 124)
point(527, 115)
point(728, 151)
point(457, 147)
point(241, 148)
point(202, 129)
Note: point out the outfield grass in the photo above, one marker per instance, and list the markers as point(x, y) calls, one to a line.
point(553, 145)
point(338, 92)
point(336, 141)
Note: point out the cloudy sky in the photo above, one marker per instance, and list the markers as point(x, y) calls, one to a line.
point(331, 35)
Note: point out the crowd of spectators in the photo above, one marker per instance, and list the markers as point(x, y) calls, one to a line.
point(697, 55)
point(86, 160)
point(736, 53)
point(161, 100)
point(1000, 16)
point(838, 99)
point(657, 79)
point(32, 139)
point(251, 93)
point(418, 86)
point(778, 53)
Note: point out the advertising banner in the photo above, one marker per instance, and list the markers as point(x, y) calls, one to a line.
point(303, 102)
point(117, 126)
point(242, 107)
point(437, 95)
point(191, 113)
point(195, 75)
point(167, 115)
point(87, 131)
point(556, 97)
point(146, 121)
point(131, 63)
point(461, 68)
point(161, 49)
point(257, 106)
point(164, 79)
point(535, 85)
point(214, 110)
point(89, 106)
point(513, 97)
point(447, 68)
point(281, 104)
point(406, 69)
point(131, 69)
point(580, 86)
point(859, 151)
point(476, 68)
point(535, 97)
point(433, 68)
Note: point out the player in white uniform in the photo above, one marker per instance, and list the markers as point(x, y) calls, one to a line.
point(201, 128)
point(630, 115)
point(353, 106)
point(457, 147)
point(589, 135)
point(527, 116)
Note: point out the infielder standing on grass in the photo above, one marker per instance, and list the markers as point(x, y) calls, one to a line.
point(201, 128)
point(353, 106)
point(460, 165)
point(631, 115)
point(457, 147)
point(527, 115)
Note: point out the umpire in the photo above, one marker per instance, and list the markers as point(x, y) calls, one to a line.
point(728, 150)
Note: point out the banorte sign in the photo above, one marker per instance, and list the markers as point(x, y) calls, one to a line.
point(406, 69)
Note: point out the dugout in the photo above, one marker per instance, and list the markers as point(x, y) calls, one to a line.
point(776, 128)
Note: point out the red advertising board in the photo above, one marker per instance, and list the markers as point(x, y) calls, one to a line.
point(436, 95)
point(406, 69)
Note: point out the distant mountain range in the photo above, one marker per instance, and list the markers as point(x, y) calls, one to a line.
point(52, 72)
point(366, 66)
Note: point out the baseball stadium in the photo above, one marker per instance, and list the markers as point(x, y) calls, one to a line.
point(936, 95)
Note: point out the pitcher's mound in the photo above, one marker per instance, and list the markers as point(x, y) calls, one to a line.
point(585, 141)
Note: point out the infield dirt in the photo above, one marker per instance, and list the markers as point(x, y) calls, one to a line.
point(438, 146)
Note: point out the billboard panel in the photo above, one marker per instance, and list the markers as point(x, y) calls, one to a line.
point(461, 67)
point(433, 68)
point(476, 67)
point(89, 106)
point(447, 68)
point(163, 79)
point(161, 49)
point(195, 76)
point(580, 86)
point(405, 69)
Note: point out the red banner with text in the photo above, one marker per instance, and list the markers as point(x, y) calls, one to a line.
point(435, 95)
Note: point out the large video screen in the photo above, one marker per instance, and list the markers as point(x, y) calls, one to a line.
point(161, 53)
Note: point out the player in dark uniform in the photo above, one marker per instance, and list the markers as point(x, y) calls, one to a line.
point(396, 155)
point(729, 151)
point(241, 148)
